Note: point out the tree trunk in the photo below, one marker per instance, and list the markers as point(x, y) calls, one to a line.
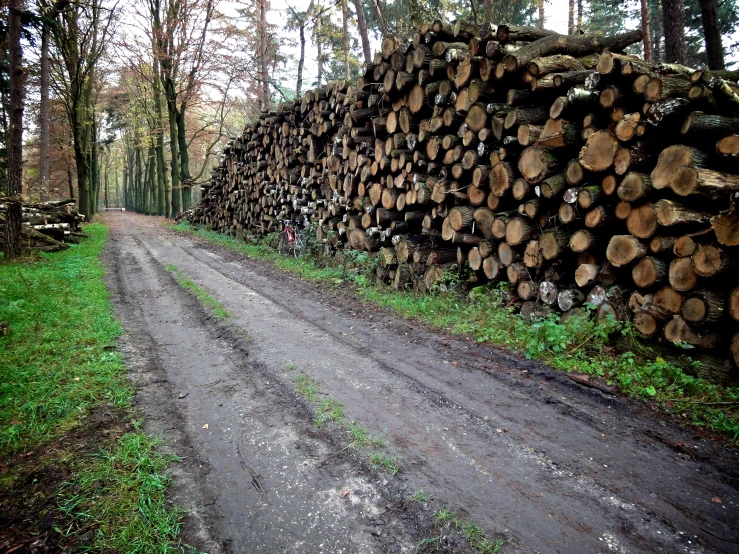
point(301, 61)
point(380, 16)
point(571, 19)
point(673, 17)
point(712, 34)
point(319, 51)
point(185, 177)
point(363, 34)
point(540, 23)
point(164, 196)
point(264, 70)
point(645, 28)
point(15, 138)
point(44, 121)
point(579, 18)
point(94, 164)
point(344, 11)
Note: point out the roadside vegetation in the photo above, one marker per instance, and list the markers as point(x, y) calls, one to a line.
point(76, 471)
point(609, 351)
point(214, 307)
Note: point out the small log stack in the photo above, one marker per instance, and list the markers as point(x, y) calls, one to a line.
point(47, 226)
point(558, 163)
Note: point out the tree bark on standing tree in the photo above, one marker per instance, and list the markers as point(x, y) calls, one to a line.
point(344, 11)
point(541, 14)
point(673, 16)
point(363, 34)
point(645, 29)
point(264, 51)
point(712, 34)
point(571, 19)
point(15, 138)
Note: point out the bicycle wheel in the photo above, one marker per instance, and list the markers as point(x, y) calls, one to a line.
point(283, 247)
point(298, 245)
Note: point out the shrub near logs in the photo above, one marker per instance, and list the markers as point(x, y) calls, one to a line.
point(559, 163)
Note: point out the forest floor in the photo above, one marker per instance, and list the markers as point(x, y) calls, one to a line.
point(308, 421)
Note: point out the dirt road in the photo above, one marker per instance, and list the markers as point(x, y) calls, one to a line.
point(524, 452)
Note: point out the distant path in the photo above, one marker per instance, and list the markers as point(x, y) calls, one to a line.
point(517, 448)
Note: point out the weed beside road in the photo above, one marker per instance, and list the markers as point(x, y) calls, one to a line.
point(75, 469)
point(583, 345)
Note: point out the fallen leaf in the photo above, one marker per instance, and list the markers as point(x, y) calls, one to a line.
point(344, 494)
point(716, 499)
point(602, 434)
point(486, 418)
point(76, 378)
point(205, 426)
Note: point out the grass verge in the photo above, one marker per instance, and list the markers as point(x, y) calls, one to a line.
point(215, 307)
point(75, 469)
point(582, 345)
point(329, 410)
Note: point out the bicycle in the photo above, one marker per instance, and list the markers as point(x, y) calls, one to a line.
point(291, 241)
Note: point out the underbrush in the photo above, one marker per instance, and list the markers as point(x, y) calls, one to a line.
point(582, 344)
point(59, 366)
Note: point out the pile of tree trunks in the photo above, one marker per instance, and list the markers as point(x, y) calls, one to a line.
point(47, 226)
point(575, 172)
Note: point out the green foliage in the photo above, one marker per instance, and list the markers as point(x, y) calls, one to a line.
point(579, 345)
point(474, 534)
point(215, 307)
point(120, 498)
point(57, 360)
point(58, 366)
point(420, 496)
point(329, 410)
point(307, 387)
point(390, 464)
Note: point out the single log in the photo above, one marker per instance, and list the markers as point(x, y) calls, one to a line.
point(583, 240)
point(536, 164)
point(728, 146)
point(682, 275)
point(733, 304)
point(726, 227)
point(642, 221)
point(517, 272)
point(707, 182)
point(491, 267)
point(528, 290)
point(703, 307)
point(709, 260)
point(668, 299)
point(672, 213)
point(519, 230)
point(661, 244)
point(649, 271)
point(634, 186)
point(599, 151)
point(624, 249)
point(570, 298)
point(586, 274)
point(678, 330)
point(548, 292)
point(553, 243)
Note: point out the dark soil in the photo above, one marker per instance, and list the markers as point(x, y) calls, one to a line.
point(524, 451)
point(31, 480)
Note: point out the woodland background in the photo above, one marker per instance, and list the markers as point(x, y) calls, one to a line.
point(140, 97)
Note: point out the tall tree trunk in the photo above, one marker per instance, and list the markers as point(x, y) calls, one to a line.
point(175, 160)
point(363, 34)
point(164, 196)
point(541, 14)
point(301, 61)
point(712, 34)
point(645, 29)
point(94, 166)
point(673, 16)
point(15, 138)
point(44, 119)
point(344, 11)
point(319, 51)
point(70, 180)
point(571, 19)
point(381, 16)
point(263, 54)
point(185, 177)
point(579, 18)
point(488, 11)
point(106, 191)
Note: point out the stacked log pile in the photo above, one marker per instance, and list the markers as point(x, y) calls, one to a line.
point(573, 171)
point(47, 226)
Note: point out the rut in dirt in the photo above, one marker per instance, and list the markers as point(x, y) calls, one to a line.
point(511, 445)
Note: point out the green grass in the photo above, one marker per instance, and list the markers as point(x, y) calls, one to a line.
point(58, 365)
point(579, 346)
point(420, 496)
point(329, 410)
point(391, 464)
point(128, 485)
point(215, 307)
point(474, 534)
point(307, 387)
